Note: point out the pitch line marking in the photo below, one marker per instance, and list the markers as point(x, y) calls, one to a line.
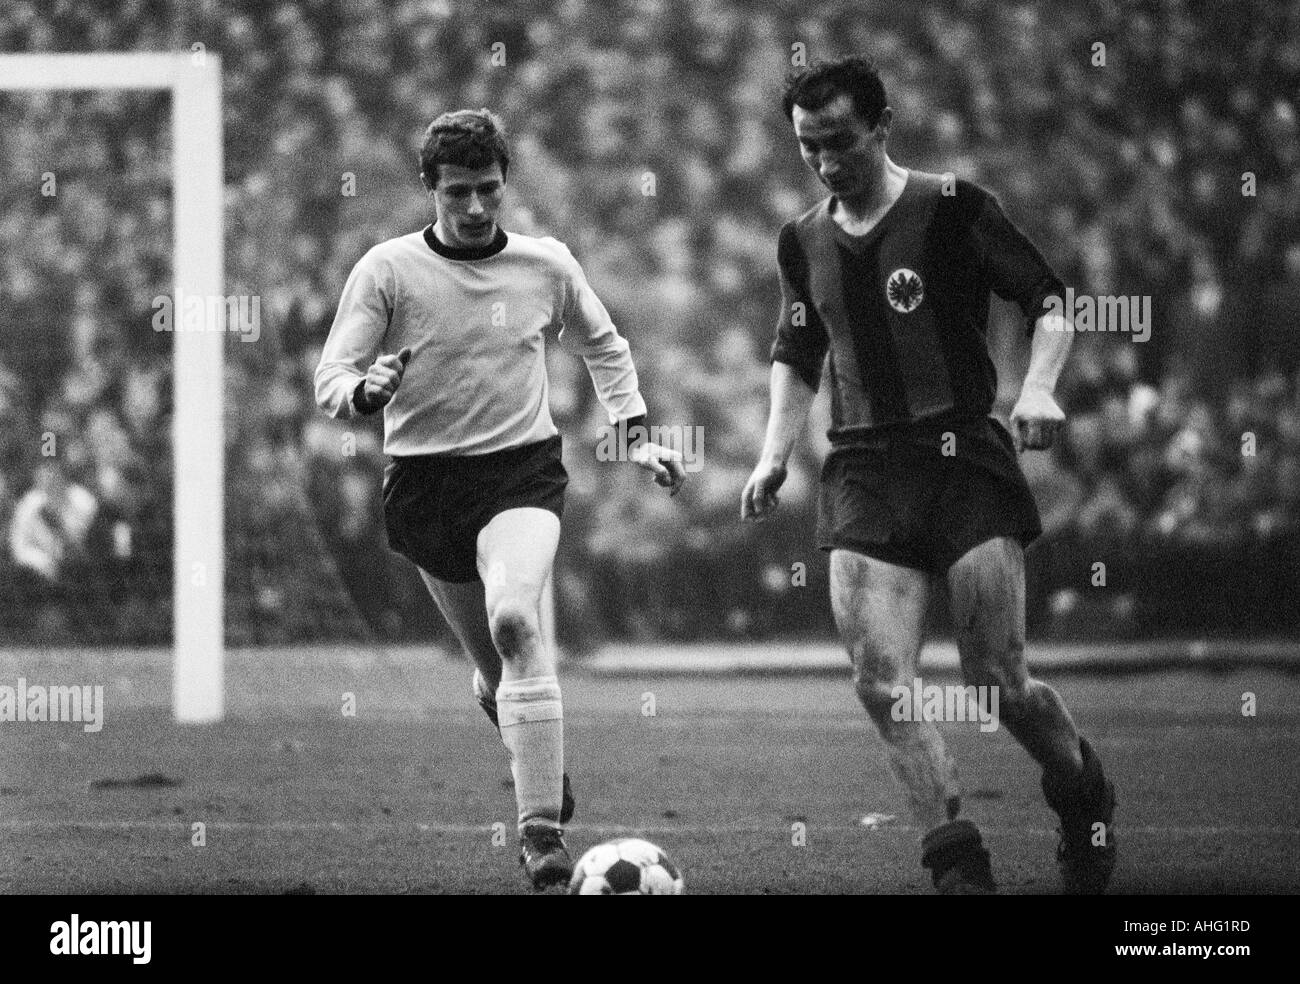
point(297, 826)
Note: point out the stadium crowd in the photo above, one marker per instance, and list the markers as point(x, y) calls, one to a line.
point(648, 136)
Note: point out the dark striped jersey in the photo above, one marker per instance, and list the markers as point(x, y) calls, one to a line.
point(903, 311)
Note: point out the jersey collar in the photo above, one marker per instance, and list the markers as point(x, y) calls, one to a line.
point(884, 222)
point(466, 252)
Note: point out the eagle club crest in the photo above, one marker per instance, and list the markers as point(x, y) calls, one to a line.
point(904, 290)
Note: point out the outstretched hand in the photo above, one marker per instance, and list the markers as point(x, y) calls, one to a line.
point(664, 463)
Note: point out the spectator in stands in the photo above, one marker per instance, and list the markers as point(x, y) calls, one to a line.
point(51, 522)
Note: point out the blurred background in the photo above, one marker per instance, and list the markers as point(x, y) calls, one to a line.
point(1170, 171)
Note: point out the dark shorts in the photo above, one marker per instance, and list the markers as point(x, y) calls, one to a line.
point(900, 499)
point(435, 506)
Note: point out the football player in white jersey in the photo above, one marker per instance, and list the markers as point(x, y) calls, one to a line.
point(444, 331)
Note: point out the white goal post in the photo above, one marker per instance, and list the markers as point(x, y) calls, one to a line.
point(198, 441)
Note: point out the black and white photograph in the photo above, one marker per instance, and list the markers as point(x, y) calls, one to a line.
point(651, 447)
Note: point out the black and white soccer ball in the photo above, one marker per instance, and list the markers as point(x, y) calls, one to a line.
point(627, 866)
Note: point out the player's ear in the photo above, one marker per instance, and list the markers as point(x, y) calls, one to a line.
point(881, 129)
point(424, 181)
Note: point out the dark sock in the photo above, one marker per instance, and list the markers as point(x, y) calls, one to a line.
point(490, 709)
point(486, 699)
point(957, 844)
point(1079, 791)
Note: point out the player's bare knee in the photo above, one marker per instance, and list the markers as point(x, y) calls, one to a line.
point(879, 700)
point(875, 676)
point(514, 628)
point(1014, 694)
point(985, 652)
point(990, 636)
point(982, 673)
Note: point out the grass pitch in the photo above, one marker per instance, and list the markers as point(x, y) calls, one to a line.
point(753, 785)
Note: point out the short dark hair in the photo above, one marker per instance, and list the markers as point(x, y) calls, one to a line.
point(822, 82)
point(467, 137)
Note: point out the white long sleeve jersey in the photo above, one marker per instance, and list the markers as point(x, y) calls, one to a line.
point(475, 321)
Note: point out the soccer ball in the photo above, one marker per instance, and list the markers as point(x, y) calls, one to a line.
point(627, 866)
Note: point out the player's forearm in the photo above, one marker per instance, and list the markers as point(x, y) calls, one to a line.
point(360, 325)
point(590, 332)
point(335, 385)
point(1048, 352)
point(352, 345)
point(614, 378)
point(791, 401)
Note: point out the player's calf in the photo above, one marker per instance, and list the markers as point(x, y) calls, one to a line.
point(1031, 711)
point(531, 715)
point(916, 755)
point(487, 700)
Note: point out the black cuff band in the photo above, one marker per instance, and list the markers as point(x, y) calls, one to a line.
point(633, 432)
point(359, 401)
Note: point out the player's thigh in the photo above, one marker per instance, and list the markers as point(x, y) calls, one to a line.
point(986, 588)
point(516, 551)
point(879, 611)
point(463, 605)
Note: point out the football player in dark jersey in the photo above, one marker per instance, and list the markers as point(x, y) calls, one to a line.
point(890, 276)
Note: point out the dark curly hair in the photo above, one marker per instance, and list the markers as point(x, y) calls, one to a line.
point(813, 87)
point(468, 137)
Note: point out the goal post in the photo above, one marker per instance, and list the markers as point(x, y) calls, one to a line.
point(198, 442)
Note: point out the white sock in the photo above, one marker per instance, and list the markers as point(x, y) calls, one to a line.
point(532, 728)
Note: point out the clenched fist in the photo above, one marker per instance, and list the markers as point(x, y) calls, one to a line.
point(1035, 420)
point(382, 380)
